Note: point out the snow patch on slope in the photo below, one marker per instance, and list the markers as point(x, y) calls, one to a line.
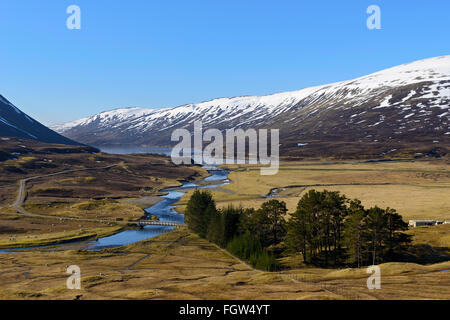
point(252, 109)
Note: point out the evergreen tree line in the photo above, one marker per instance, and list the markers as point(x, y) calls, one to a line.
point(230, 228)
point(326, 228)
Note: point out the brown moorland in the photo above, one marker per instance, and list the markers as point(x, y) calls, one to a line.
point(98, 186)
point(180, 265)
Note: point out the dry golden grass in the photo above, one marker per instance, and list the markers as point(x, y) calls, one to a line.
point(179, 265)
point(412, 202)
point(419, 189)
point(436, 236)
point(106, 209)
point(116, 176)
point(76, 181)
point(51, 238)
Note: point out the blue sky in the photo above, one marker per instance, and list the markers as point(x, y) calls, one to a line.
point(167, 53)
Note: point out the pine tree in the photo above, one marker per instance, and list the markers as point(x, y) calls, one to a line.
point(300, 236)
point(199, 210)
point(395, 240)
point(335, 205)
point(354, 232)
point(215, 230)
point(376, 232)
point(272, 220)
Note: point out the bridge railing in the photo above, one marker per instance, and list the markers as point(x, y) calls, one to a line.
point(159, 223)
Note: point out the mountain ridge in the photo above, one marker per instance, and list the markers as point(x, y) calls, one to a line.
point(15, 123)
point(322, 113)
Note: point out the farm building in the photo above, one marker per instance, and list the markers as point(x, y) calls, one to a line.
point(421, 223)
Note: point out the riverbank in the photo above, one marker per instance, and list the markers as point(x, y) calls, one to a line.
point(159, 206)
point(74, 195)
point(50, 239)
point(180, 265)
point(144, 202)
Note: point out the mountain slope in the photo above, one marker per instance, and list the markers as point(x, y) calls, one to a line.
point(401, 108)
point(15, 123)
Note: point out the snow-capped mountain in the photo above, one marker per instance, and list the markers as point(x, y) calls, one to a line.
point(390, 110)
point(15, 123)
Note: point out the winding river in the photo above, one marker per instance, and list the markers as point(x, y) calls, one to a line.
point(164, 210)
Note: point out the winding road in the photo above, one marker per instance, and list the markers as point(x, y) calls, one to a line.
point(18, 204)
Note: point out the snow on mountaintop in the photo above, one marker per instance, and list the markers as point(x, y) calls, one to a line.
point(402, 108)
point(107, 117)
point(433, 69)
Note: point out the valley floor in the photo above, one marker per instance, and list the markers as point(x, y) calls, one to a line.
point(68, 193)
point(416, 189)
point(179, 265)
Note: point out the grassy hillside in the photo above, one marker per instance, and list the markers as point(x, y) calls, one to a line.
point(179, 265)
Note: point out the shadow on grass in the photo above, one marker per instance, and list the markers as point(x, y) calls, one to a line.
point(426, 254)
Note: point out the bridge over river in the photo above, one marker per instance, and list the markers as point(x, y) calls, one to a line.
point(157, 223)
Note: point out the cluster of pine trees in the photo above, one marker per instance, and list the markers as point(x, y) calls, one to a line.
point(327, 229)
point(246, 233)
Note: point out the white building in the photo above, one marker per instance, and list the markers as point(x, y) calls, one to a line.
point(421, 223)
